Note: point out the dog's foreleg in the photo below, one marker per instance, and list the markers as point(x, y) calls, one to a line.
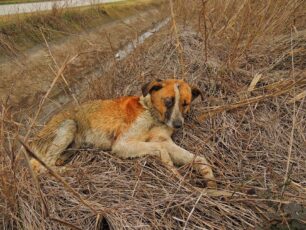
point(181, 156)
point(133, 149)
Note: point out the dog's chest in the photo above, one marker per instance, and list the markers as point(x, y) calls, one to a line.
point(144, 128)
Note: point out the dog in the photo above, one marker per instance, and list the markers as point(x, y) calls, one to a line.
point(129, 127)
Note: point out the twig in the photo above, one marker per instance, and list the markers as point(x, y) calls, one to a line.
point(286, 177)
point(60, 71)
point(248, 101)
point(178, 43)
point(62, 75)
point(192, 210)
point(65, 223)
point(43, 201)
point(59, 178)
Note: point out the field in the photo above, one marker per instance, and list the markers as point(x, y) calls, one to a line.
point(249, 59)
point(24, 31)
point(2, 2)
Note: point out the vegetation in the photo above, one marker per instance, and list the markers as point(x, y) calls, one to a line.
point(2, 2)
point(248, 58)
point(23, 31)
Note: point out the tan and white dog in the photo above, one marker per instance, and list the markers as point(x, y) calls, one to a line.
point(129, 127)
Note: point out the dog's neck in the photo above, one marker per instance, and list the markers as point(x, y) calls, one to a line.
point(147, 104)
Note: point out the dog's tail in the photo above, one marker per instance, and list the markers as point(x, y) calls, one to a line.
point(53, 139)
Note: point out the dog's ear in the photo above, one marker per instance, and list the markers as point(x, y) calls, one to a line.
point(196, 92)
point(151, 86)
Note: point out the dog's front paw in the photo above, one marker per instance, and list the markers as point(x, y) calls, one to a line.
point(165, 157)
point(208, 175)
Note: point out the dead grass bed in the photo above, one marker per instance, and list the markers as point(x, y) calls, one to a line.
point(251, 126)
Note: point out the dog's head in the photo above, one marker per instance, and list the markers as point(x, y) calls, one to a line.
point(171, 99)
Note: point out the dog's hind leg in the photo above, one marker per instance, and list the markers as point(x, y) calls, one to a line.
point(50, 150)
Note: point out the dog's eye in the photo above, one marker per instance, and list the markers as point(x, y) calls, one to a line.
point(169, 102)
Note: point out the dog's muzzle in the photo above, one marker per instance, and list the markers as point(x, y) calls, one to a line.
point(177, 124)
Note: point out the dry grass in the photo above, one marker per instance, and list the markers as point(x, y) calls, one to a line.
point(2, 2)
point(23, 31)
point(249, 59)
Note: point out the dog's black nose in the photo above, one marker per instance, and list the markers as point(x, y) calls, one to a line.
point(177, 124)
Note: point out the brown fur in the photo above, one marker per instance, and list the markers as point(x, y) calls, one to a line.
point(128, 126)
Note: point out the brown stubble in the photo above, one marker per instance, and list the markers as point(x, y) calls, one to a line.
point(246, 135)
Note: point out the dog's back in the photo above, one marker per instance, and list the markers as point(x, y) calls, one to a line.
point(98, 123)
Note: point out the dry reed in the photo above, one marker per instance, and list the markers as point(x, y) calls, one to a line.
point(251, 129)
